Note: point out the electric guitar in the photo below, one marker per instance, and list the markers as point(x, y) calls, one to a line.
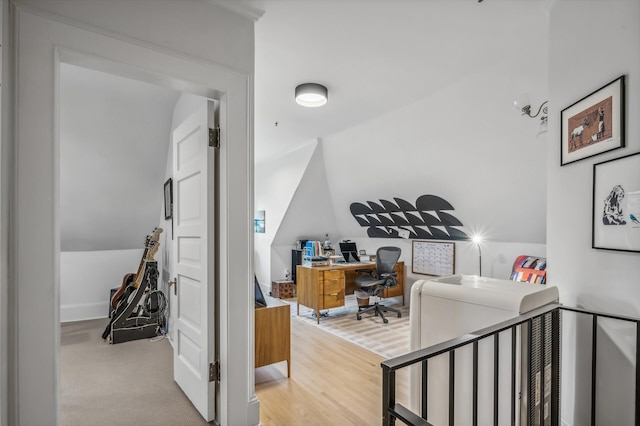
point(151, 241)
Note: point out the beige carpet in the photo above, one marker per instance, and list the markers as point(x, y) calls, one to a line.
point(387, 340)
point(132, 383)
point(129, 383)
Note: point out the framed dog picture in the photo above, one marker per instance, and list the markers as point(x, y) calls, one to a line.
point(594, 124)
point(616, 204)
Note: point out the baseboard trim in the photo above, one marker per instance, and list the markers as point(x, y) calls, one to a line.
point(83, 312)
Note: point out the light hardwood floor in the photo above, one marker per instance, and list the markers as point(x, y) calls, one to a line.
point(333, 382)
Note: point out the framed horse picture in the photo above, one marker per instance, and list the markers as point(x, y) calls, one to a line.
point(594, 124)
point(616, 204)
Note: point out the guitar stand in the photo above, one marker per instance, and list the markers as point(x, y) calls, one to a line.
point(133, 322)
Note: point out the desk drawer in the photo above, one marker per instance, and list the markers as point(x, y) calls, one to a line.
point(334, 300)
point(332, 274)
point(333, 285)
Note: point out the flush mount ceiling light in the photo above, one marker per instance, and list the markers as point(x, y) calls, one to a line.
point(311, 95)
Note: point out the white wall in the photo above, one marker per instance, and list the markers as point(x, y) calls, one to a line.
point(276, 184)
point(585, 54)
point(486, 162)
point(310, 216)
point(87, 277)
point(114, 134)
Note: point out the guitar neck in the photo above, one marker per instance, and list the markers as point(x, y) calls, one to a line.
point(142, 259)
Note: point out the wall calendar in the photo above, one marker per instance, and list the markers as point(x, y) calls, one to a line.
point(433, 258)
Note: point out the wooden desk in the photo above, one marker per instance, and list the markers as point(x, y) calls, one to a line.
point(273, 333)
point(324, 287)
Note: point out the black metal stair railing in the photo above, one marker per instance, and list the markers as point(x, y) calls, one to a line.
point(542, 349)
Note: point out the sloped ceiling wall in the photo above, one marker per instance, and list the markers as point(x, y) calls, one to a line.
point(465, 144)
point(114, 138)
point(310, 215)
point(311, 204)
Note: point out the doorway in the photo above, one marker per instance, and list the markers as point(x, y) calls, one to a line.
point(114, 141)
point(44, 43)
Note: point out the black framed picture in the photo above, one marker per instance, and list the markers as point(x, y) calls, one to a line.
point(616, 204)
point(168, 199)
point(594, 124)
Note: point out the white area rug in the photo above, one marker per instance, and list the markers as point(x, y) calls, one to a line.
point(387, 340)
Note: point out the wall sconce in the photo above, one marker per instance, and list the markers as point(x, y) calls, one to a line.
point(311, 95)
point(521, 103)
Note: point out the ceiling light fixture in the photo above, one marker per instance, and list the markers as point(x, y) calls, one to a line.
point(521, 103)
point(311, 95)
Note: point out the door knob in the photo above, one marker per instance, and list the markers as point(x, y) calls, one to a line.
point(174, 283)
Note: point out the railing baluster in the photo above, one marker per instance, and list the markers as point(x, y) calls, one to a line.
point(555, 368)
point(531, 391)
point(452, 387)
point(475, 383)
point(388, 395)
point(637, 412)
point(543, 368)
point(496, 376)
point(514, 335)
point(594, 350)
point(425, 387)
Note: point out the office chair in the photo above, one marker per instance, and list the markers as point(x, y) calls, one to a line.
point(375, 284)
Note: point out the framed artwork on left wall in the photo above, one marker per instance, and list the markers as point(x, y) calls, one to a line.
point(616, 204)
point(168, 199)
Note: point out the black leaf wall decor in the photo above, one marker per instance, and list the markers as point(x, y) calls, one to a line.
point(430, 219)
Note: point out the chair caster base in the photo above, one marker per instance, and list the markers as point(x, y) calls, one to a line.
point(358, 317)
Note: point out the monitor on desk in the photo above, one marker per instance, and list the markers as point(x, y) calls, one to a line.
point(349, 252)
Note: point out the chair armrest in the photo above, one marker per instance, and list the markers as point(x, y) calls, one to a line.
point(360, 271)
point(390, 274)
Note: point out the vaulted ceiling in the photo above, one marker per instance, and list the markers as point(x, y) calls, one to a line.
point(374, 56)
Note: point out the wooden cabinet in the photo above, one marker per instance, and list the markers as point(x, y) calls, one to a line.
point(399, 289)
point(273, 334)
point(332, 289)
point(324, 287)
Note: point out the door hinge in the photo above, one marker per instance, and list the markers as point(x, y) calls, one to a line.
point(214, 371)
point(214, 138)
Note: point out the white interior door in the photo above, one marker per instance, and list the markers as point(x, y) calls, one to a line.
point(193, 257)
